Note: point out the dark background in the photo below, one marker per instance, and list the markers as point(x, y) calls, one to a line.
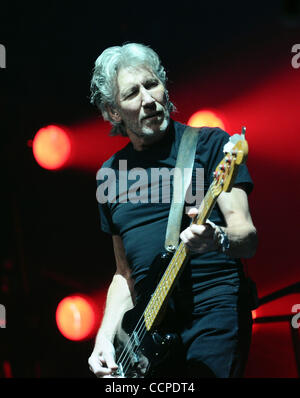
point(231, 56)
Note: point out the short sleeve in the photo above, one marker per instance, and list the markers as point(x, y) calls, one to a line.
point(106, 223)
point(105, 220)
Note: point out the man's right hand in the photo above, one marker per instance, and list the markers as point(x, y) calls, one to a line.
point(102, 360)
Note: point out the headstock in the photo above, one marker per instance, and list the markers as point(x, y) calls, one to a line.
point(236, 152)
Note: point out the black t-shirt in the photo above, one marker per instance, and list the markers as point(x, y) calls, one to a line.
point(142, 225)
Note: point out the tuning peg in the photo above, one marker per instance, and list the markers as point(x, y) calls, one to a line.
point(243, 133)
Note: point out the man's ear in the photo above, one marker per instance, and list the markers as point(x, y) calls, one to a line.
point(114, 114)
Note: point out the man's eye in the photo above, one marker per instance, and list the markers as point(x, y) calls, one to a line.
point(130, 94)
point(151, 84)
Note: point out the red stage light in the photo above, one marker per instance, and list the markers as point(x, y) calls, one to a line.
point(205, 118)
point(51, 147)
point(76, 318)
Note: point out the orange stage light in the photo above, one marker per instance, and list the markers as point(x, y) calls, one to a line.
point(205, 118)
point(51, 147)
point(76, 318)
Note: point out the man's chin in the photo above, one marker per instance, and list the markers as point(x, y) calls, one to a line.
point(155, 128)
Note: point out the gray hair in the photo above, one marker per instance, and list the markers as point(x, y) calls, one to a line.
point(104, 79)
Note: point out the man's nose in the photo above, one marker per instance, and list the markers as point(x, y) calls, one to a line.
point(147, 99)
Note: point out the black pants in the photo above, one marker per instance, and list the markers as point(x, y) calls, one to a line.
point(215, 331)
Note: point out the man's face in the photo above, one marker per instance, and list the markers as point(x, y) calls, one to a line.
point(142, 104)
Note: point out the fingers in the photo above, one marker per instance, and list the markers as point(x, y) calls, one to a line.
point(103, 372)
point(194, 231)
point(102, 365)
point(99, 370)
point(192, 212)
point(203, 231)
point(110, 361)
point(199, 238)
point(95, 366)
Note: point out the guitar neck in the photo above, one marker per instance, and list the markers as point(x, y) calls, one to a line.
point(176, 265)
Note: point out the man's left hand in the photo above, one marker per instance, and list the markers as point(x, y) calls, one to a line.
point(199, 238)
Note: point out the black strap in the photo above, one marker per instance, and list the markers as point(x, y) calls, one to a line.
point(182, 178)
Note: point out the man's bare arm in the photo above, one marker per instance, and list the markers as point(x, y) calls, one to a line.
point(120, 298)
point(241, 233)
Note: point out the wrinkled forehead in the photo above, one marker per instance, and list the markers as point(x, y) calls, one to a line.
point(133, 75)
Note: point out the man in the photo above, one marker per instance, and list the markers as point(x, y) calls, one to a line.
point(212, 315)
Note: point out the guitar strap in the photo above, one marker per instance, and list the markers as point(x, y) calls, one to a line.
point(181, 181)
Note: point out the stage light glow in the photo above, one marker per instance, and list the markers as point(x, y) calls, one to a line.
point(51, 147)
point(76, 318)
point(205, 118)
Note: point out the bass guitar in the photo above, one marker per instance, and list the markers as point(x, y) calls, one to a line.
point(141, 346)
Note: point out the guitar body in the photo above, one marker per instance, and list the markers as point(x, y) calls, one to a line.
point(148, 352)
point(140, 352)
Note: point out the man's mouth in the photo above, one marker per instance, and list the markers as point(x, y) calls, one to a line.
point(153, 115)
